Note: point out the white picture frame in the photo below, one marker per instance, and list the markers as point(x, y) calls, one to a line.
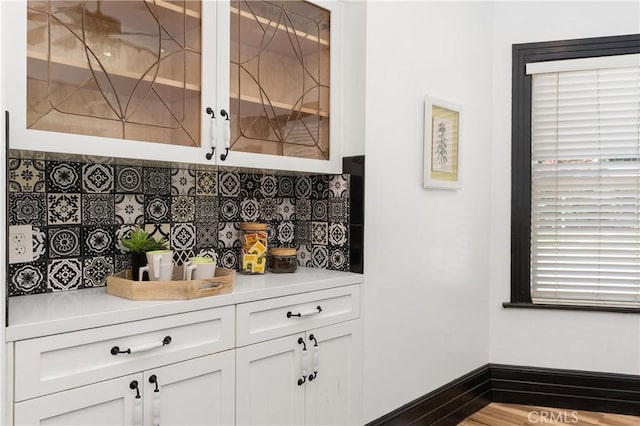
point(442, 136)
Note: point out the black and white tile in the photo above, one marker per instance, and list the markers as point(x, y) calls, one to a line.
point(98, 209)
point(286, 233)
point(286, 209)
point(129, 208)
point(27, 209)
point(183, 209)
point(228, 235)
point(250, 185)
point(26, 175)
point(210, 253)
point(339, 259)
point(229, 258)
point(206, 183)
point(159, 231)
point(122, 231)
point(320, 233)
point(269, 186)
point(98, 241)
point(303, 187)
point(64, 242)
point(319, 187)
point(27, 278)
point(249, 210)
point(206, 235)
point(338, 210)
point(157, 208)
point(303, 209)
point(206, 208)
point(63, 176)
point(182, 256)
point(157, 181)
point(319, 210)
point(303, 232)
point(229, 184)
point(183, 236)
point(338, 234)
point(303, 254)
point(97, 178)
point(39, 239)
point(229, 209)
point(64, 209)
point(122, 262)
point(183, 182)
point(268, 209)
point(65, 274)
point(339, 186)
point(272, 233)
point(95, 271)
point(286, 186)
point(320, 257)
point(129, 179)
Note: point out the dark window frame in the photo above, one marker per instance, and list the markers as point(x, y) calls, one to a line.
point(521, 150)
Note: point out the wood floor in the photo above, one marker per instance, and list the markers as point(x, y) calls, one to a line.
point(496, 414)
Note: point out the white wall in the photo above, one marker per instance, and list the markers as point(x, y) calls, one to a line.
point(558, 339)
point(2, 235)
point(426, 259)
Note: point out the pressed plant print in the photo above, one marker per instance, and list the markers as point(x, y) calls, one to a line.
point(441, 145)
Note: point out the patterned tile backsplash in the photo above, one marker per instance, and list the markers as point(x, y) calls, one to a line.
point(80, 211)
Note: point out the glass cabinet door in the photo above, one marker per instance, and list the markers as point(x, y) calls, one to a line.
point(279, 78)
point(118, 69)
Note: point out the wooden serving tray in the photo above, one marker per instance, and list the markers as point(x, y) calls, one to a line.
point(122, 285)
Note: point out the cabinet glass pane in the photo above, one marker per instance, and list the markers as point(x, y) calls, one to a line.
point(120, 69)
point(280, 78)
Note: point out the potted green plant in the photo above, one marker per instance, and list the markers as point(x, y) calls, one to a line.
point(139, 242)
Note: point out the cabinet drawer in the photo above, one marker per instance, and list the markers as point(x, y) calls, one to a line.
point(268, 319)
point(63, 361)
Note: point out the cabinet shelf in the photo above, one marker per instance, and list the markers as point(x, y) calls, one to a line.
point(278, 106)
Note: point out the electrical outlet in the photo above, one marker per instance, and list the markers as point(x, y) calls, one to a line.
point(20, 244)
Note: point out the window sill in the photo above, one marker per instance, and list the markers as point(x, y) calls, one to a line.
point(615, 309)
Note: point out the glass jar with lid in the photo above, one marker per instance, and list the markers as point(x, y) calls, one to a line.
point(283, 260)
point(253, 237)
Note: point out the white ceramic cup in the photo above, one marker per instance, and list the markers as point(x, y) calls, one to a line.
point(199, 268)
point(159, 265)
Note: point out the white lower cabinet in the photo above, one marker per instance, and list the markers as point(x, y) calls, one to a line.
point(311, 378)
point(195, 392)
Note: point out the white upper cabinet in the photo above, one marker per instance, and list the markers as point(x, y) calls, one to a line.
point(149, 79)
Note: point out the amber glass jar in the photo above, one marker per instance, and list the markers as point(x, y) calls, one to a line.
point(283, 260)
point(253, 237)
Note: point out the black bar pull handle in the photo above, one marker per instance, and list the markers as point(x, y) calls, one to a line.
point(210, 112)
point(316, 311)
point(226, 138)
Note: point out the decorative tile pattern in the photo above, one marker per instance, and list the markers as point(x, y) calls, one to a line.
point(64, 274)
point(97, 178)
point(229, 258)
point(39, 239)
point(303, 253)
point(249, 210)
point(272, 233)
point(159, 231)
point(27, 278)
point(183, 236)
point(268, 209)
point(338, 234)
point(228, 235)
point(122, 231)
point(183, 209)
point(339, 259)
point(229, 209)
point(64, 242)
point(319, 211)
point(96, 270)
point(63, 177)
point(303, 232)
point(250, 185)
point(206, 183)
point(338, 210)
point(157, 181)
point(181, 256)
point(319, 187)
point(206, 209)
point(129, 208)
point(286, 209)
point(286, 233)
point(303, 187)
point(269, 186)
point(63, 209)
point(210, 253)
point(319, 232)
point(339, 186)
point(122, 263)
point(206, 235)
point(303, 209)
point(98, 241)
point(320, 257)
point(229, 184)
point(98, 209)
point(27, 209)
point(26, 175)
point(129, 179)
point(286, 186)
point(157, 209)
point(183, 182)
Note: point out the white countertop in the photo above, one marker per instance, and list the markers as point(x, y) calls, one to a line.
point(52, 313)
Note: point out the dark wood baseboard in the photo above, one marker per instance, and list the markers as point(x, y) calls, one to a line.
point(549, 387)
point(445, 406)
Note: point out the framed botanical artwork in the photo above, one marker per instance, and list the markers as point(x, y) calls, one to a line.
point(441, 144)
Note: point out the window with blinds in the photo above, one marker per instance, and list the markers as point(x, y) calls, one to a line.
point(585, 181)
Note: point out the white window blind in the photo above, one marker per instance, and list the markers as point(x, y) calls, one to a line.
point(585, 185)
